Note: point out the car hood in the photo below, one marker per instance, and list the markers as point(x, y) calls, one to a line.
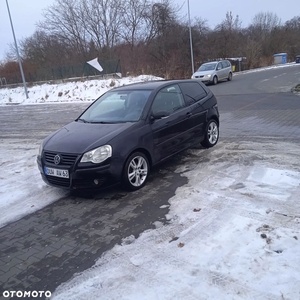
point(78, 137)
point(203, 73)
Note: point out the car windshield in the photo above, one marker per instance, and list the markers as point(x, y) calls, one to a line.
point(117, 107)
point(207, 67)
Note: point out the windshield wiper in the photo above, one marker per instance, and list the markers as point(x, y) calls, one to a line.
point(102, 122)
point(83, 120)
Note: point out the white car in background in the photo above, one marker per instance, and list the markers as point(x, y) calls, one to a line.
point(214, 71)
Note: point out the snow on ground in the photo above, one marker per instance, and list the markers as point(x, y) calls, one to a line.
point(293, 64)
point(234, 233)
point(233, 230)
point(21, 189)
point(77, 91)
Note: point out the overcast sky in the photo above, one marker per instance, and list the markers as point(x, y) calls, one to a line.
point(26, 14)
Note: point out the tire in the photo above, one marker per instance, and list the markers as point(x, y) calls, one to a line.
point(215, 80)
point(211, 134)
point(136, 171)
point(229, 76)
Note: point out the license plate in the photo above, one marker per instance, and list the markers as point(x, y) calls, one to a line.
point(56, 172)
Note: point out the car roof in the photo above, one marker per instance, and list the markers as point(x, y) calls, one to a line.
point(215, 61)
point(151, 85)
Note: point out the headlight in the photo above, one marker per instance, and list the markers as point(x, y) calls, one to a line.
point(192, 77)
point(97, 155)
point(209, 75)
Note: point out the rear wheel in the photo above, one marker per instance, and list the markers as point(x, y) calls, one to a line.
point(136, 171)
point(229, 77)
point(215, 80)
point(211, 134)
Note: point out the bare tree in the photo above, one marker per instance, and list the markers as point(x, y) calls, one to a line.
point(134, 28)
point(264, 23)
point(292, 36)
point(42, 49)
point(262, 27)
point(252, 51)
point(102, 19)
point(227, 33)
point(163, 23)
point(200, 35)
point(63, 19)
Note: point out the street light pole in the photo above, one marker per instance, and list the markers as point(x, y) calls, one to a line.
point(191, 41)
point(16, 45)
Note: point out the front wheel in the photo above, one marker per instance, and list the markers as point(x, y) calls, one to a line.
point(135, 171)
point(211, 134)
point(215, 80)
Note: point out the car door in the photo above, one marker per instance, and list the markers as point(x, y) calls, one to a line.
point(226, 68)
point(170, 122)
point(219, 71)
point(194, 95)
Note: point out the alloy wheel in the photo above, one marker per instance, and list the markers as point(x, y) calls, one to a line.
point(137, 171)
point(213, 132)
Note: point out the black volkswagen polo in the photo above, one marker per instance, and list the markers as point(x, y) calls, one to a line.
point(126, 131)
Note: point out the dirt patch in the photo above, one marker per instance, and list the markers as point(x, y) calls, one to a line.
point(296, 89)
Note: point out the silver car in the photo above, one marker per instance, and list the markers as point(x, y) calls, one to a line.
point(214, 71)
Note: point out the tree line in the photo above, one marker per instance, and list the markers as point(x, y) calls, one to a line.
point(147, 37)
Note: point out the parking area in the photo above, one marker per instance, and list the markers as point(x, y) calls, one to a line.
point(46, 248)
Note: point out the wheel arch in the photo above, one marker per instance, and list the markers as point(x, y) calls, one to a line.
point(126, 183)
point(142, 150)
point(214, 117)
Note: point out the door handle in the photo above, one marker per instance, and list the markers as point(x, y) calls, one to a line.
point(188, 115)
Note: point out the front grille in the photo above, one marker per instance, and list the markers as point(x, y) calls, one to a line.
point(59, 181)
point(66, 159)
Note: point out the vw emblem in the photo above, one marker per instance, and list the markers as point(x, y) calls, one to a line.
point(56, 159)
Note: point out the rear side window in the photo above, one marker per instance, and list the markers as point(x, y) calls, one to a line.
point(226, 64)
point(193, 91)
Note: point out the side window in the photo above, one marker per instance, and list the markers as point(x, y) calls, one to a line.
point(193, 91)
point(224, 64)
point(219, 67)
point(168, 99)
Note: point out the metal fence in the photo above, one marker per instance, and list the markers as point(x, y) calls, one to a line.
point(80, 70)
point(64, 72)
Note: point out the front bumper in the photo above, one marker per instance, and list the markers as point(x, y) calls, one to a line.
point(204, 79)
point(94, 177)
